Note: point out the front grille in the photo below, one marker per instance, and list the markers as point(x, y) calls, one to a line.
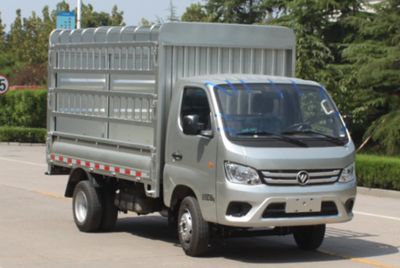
point(289, 177)
point(277, 210)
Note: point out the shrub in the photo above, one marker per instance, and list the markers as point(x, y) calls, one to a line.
point(24, 108)
point(378, 171)
point(21, 134)
point(30, 74)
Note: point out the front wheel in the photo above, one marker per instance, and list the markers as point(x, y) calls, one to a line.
point(193, 230)
point(309, 237)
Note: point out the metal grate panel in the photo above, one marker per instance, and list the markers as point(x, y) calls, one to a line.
point(289, 177)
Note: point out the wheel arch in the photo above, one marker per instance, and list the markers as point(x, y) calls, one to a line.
point(77, 175)
point(179, 193)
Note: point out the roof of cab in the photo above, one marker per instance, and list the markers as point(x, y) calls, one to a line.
point(247, 78)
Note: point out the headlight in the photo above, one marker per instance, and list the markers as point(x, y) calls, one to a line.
point(241, 174)
point(348, 174)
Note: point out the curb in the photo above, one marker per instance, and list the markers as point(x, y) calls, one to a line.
point(378, 192)
point(22, 144)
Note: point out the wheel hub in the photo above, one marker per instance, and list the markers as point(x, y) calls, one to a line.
point(186, 226)
point(81, 206)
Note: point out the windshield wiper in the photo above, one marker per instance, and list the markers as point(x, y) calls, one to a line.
point(270, 134)
point(255, 133)
point(332, 139)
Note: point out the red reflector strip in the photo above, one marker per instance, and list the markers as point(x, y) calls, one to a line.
point(98, 166)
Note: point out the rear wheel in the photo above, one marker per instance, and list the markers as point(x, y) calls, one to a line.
point(193, 230)
point(87, 207)
point(309, 237)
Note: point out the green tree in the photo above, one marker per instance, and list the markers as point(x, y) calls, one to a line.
point(145, 22)
point(195, 12)
point(15, 38)
point(236, 11)
point(6, 61)
point(117, 17)
point(23, 54)
point(31, 43)
point(91, 18)
point(2, 34)
point(45, 28)
point(375, 55)
point(228, 11)
point(320, 32)
point(60, 7)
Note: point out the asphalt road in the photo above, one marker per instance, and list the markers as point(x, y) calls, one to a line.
point(37, 230)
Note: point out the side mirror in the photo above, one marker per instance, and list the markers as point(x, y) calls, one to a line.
point(191, 125)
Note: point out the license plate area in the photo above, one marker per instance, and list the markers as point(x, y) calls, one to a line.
point(303, 204)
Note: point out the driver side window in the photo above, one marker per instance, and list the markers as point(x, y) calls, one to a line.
point(195, 102)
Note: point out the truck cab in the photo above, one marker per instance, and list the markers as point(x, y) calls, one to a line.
point(260, 151)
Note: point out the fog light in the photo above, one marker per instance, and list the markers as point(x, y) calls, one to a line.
point(238, 209)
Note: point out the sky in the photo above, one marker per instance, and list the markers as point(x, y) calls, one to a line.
point(134, 10)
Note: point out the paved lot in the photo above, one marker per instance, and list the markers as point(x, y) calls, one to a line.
point(37, 230)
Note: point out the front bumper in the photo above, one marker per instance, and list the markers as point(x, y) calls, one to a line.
point(260, 198)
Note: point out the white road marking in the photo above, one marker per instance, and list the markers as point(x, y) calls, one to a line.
point(377, 215)
point(22, 162)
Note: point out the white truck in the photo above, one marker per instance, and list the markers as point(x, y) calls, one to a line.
point(203, 123)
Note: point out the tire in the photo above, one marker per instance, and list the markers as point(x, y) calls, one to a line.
point(110, 211)
point(87, 207)
point(193, 230)
point(309, 237)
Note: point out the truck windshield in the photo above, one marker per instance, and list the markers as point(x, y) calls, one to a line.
point(288, 111)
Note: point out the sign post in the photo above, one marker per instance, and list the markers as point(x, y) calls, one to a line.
point(79, 11)
point(3, 84)
point(66, 20)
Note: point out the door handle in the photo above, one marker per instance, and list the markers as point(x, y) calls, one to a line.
point(177, 156)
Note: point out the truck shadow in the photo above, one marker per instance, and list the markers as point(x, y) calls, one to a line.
point(338, 244)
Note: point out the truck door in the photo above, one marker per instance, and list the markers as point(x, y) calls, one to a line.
point(191, 159)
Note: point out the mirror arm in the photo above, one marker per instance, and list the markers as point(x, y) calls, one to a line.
point(207, 133)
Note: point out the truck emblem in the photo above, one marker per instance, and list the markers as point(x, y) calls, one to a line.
point(303, 177)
